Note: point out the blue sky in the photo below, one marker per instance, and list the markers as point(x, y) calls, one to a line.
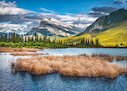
point(63, 6)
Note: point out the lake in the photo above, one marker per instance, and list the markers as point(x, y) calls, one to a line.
point(55, 82)
point(89, 51)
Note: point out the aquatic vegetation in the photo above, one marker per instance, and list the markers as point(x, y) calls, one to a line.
point(104, 56)
point(109, 57)
point(82, 65)
point(25, 54)
point(119, 58)
point(5, 49)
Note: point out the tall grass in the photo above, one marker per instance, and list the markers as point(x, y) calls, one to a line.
point(69, 65)
point(120, 58)
point(25, 54)
point(5, 49)
point(109, 57)
point(104, 56)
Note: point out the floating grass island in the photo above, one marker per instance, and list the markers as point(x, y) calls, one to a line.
point(81, 66)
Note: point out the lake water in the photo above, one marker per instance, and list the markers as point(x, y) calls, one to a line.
point(89, 51)
point(56, 82)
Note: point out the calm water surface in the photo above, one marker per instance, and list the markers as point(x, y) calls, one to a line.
point(89, 51)
point(56, 82)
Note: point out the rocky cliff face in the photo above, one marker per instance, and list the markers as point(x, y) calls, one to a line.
point(106, 22)
point(52, 27)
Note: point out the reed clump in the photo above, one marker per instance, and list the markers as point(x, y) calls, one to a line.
point(25, 54)
point(84, 65)
point(5, 49)
point(109, 57)
point(120, 58)
point(104, 56)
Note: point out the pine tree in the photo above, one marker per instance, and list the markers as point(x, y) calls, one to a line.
point(97, 42)
point(13, 37)
point(1, 37)
point(92, 43)
point(82, 41)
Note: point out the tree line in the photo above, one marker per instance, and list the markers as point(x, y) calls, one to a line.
point(90, 42)
point(16, 38)
point(11, 37)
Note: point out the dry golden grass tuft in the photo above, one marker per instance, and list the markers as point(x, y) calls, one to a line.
point(104, 56)
point(120, 58)
point(109, 57)
point(5, 49)
point(25, 54)
point(84, 65)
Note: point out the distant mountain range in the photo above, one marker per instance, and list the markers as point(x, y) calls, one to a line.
point(111, 30)
point(53, 27)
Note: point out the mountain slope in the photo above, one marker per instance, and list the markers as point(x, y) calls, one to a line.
point(106, 22)
point(52, 27)
point(114, 36)
point(76, 39)
point(111, 30)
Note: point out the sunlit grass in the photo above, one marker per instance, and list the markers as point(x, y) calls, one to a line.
point(75, 39)
point(5, 49)
point(25, 54)
point(113, 37)
point(84, 65)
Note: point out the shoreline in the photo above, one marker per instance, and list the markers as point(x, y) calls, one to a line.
point(24, 49)
point(27, 54)
point(8, 49)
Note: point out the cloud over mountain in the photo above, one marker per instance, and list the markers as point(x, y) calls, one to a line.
point(123, 3)
point(117, 2)
point(14, 19)
point(101, 11)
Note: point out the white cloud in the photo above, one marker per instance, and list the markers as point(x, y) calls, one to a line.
point(11, 27)
point(18, 28)
point(10, 8)
point(101, 11)
point(12, 18)
point(81, 20)
point(122, 3)
point(46, 10)
point(70, 18)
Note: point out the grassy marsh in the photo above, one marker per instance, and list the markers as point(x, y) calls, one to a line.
point(86, 66)
point(26, 54)
point(5, 49)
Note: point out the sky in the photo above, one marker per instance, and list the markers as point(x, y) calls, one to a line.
point(22, 15)
point(63, 6)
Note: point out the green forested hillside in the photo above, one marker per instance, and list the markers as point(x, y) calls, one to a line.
point(111, 30)
point(115, 36)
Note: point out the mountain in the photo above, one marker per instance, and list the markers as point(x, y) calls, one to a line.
point(53, 27)
point(111, 30)
point(107, 22)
